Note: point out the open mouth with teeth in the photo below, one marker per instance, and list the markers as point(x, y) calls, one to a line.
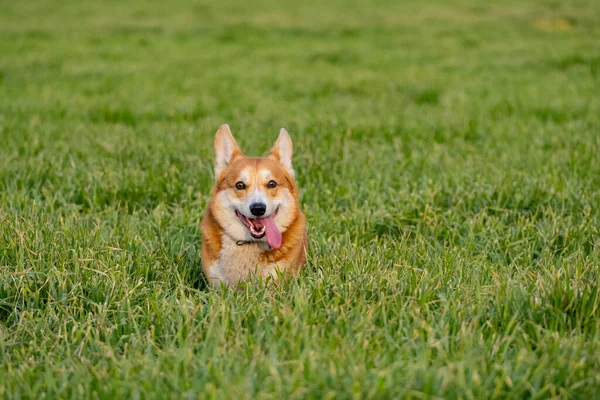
point(262, 226)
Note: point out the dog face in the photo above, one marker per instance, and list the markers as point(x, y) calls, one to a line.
point(255, 198)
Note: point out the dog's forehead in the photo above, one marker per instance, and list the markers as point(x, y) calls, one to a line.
point(245, 174)
point(269, 169)
point(249, 168)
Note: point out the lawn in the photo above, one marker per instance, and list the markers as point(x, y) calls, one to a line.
point(448, 155)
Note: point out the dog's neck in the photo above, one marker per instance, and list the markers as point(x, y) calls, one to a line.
point(263, 246)
point(244, 242)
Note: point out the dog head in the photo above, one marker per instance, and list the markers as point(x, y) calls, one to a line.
point(255, 198)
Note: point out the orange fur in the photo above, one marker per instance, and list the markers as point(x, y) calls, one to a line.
point(223, 259)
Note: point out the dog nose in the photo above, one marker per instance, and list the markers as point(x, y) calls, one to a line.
point(258, 209)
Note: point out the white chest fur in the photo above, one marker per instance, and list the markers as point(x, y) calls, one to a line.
point(239, 262)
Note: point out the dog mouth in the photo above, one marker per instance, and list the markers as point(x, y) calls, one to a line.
point(262, 226)
point(255, 225)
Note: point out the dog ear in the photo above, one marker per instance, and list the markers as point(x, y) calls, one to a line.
point(282, 151)
point(226, 150)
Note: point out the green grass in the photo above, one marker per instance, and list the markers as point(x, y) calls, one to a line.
point(449, 159)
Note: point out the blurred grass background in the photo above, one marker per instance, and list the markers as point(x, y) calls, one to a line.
point(447, 154)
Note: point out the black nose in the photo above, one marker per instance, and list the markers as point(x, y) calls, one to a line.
point(258, 209)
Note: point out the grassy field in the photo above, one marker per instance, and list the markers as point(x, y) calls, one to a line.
point(449, 159)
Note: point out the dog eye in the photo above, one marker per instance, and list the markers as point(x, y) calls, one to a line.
point(240, 185)
point(272, 184)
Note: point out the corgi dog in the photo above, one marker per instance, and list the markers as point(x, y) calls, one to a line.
point(253, 225)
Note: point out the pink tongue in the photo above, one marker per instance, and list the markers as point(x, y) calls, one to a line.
point(273, 234)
